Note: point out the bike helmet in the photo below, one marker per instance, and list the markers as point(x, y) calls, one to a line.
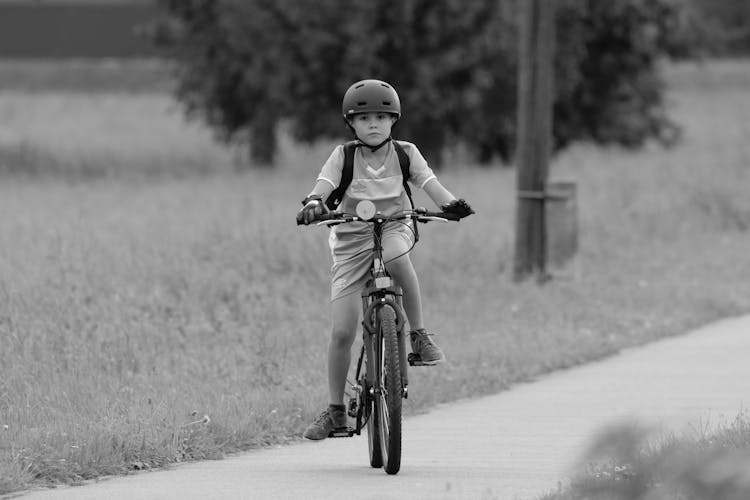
point(370, 95)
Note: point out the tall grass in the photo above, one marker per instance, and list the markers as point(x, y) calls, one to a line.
point(131, 306)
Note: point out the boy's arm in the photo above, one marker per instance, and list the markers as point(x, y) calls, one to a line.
point(437, 193)
point(446, 201)
point(322, 188)
point(314, 203)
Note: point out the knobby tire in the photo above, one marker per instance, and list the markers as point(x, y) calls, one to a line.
point(373, 427)
point(370, 410)
point(388, 401)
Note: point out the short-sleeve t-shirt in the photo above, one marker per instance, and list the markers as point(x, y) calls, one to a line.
point(384, 186)
point(381, 184)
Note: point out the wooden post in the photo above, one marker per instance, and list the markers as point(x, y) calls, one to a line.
point(535, 97)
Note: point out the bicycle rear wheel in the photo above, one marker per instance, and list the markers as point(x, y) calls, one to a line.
point(388, 400)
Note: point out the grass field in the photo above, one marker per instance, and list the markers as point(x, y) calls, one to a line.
point(145, 283)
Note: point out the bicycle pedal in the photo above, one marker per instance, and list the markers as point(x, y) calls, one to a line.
point(342, 432)
point(415, 360)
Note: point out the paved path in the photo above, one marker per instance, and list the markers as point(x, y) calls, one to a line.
point(517, 444)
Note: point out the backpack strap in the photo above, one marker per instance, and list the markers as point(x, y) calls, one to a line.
point(334, 199)
point(405, 163)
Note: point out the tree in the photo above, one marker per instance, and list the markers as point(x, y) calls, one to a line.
point(608, 88)
point(247, 65)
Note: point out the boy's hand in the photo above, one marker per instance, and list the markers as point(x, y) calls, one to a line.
point(458, 207)
point(312, 209)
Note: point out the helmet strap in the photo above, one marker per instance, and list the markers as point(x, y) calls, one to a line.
point(361, 143)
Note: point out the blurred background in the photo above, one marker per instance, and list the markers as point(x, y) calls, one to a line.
point(253, 70)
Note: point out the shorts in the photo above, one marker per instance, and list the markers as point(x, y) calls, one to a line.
point(352, 255)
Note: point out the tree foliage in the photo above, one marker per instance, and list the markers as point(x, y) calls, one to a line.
point(607, 85)
point(248, 64)
point(723, 26)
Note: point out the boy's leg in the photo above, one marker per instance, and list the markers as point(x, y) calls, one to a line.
point(403, 272)
point(344, 317)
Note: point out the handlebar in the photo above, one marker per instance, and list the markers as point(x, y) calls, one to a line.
point(418, 214)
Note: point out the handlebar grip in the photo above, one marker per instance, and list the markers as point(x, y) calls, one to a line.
point(320, 218)
point(328, 216)
point(449, 216)
point(442, 215)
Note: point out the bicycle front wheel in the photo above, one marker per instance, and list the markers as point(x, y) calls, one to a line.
point(388, 398)
point(371, 414)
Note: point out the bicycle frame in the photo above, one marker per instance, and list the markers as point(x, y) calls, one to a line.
point(379, 292)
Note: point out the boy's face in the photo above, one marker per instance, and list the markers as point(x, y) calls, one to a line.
point(372, 128)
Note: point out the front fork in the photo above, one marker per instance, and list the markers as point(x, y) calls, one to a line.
point(367, 384)
point(371, 331)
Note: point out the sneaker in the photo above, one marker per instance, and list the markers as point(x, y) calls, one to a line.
point(423, 346)
point(331, 419)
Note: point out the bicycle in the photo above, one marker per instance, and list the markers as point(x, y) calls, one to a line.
point(381, 381)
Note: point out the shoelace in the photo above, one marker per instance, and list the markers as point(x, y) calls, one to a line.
point(420, 334)
point(322, 417)
point(421, 340)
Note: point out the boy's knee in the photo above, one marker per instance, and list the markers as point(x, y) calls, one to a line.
point(343, 336)
point(397, 258)
point(399, 264)
point(345, 315)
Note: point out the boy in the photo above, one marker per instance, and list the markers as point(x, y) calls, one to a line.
point(370, 109)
